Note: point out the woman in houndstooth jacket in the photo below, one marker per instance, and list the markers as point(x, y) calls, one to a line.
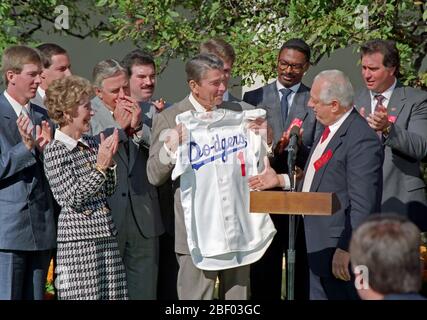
point(82, 175)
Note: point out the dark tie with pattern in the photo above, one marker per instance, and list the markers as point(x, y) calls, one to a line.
point(380, 98)
point(284, 103)
point(27, 112)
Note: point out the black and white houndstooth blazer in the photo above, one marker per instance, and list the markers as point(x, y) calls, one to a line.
point(80, 190)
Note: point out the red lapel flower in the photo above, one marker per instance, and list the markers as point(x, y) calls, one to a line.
point(323, 159)
point(392, 119)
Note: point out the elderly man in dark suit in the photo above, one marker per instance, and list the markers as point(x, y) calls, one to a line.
point(27, 228)
point(285, 100)
point(135, 203)
point(399, 115)
point(345, 160)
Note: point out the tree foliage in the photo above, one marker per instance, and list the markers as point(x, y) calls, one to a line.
point(256, 28)
point(21, 19)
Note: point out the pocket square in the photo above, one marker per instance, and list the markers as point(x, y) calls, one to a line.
point(323, 159)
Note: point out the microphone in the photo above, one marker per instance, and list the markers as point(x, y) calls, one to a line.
point(292, 150)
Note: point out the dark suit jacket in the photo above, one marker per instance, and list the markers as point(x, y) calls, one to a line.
point(267, 97)
point(243, 104)
point(354, 174)
point(404, 296)
point(165, 190)
point(159, 171)
point(132, 181)
point(404, 149)
point(26, 212)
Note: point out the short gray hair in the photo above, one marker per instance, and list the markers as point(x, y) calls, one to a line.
point(336, 86)
point(106, 69)
point(200, 64)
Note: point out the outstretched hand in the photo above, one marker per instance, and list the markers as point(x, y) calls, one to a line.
point(268, 178)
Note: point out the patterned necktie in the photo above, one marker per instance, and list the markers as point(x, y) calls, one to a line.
point(325, 134)
point(284, 103)
point(380, 98)
point(26, 113)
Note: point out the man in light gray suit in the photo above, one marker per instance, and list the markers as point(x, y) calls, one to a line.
point(134, 205)
point(27, 228)
point(56, 65)
point(141, 69)
point(225, 52)
point(206, 80)
point(285, 100)
point(399, 115)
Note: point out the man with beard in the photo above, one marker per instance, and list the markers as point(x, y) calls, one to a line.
point(285, 101)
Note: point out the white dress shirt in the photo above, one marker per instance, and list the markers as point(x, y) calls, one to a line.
point(386, 94)
point(291, 96)
point(318, 151)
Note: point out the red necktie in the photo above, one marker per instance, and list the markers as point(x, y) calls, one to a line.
point(325, 134)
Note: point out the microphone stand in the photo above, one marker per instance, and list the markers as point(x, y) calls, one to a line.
point(290, 261)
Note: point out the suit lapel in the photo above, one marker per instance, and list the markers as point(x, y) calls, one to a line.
point(364, 101)
point(9, 117)
point(333, 145)
point(397, 100)
point(299, 107)
point(272, 106)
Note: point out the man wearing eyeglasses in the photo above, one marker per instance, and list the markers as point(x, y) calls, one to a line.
point(285, 101)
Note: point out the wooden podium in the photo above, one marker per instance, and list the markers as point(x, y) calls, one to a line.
point(292, 204)
point(297, 203)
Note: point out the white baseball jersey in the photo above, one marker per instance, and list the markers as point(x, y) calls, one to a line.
point(214, 165)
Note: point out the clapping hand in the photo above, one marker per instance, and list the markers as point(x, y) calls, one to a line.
point(379, 119)
point(107, 149)
point(159, 104)
point(43, 134)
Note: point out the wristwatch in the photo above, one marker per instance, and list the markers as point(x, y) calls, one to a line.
point(387, 130)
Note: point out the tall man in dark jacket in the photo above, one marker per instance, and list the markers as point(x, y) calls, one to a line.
point(285, 100)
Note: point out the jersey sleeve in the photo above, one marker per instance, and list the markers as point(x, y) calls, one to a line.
point(182, 155)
